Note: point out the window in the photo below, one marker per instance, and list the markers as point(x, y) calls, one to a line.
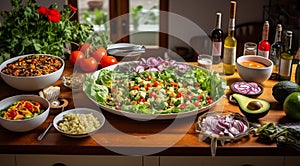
point(131, 21)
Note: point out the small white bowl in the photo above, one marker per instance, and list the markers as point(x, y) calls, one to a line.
point(254, 74)
point(97, 114)
point(31, 83)
point(26, 124)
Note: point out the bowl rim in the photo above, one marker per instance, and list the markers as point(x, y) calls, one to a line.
point(11, 60)
point(29, 95)
point(254, 56)
point(81, 110)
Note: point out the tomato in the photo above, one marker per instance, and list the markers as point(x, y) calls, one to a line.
point(76, 57)
point(107, 61)
point(99, 53)
point(88, 64)
point(85, 47)
point(156, 83)
point(178, 95)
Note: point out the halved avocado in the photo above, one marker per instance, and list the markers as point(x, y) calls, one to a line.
point(252, 108)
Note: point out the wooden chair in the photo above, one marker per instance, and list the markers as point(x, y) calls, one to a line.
point(247, 32)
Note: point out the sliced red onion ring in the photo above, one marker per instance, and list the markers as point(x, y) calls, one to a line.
point(157, 64)
point(249, 88)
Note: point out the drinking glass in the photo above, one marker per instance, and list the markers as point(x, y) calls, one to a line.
point(205, 61)
point(250, 48)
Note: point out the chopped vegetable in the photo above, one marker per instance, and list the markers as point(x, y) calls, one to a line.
point(250, 88)
point(283, 135)
point(163, 90)
point(223, 125)
point(21, 110)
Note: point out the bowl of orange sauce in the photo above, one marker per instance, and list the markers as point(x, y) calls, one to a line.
point(254, 68)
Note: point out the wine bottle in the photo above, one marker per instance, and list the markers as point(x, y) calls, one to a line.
point(286, 58)
point(217, 40)
point(276, 49)
point(230, 43)
point(264, 44)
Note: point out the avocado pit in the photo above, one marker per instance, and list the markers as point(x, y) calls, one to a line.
point(254, 105)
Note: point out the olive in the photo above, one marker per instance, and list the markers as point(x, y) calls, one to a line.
point(254, 105)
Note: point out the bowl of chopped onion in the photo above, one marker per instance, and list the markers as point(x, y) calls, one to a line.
point(79, 122)
point(23, 113)
point(221, 126)
point(250, 89)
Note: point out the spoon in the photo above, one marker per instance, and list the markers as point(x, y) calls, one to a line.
point(40, 137)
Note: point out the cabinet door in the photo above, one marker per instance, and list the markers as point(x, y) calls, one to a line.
point(151, 161)
point(222, 160)
point(292, 161)
point(77, 160)
point(7, 159)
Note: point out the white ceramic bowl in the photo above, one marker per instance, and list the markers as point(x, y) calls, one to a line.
point(97, 114)
point(31, 83)
point(254, 74)
point(26, 124)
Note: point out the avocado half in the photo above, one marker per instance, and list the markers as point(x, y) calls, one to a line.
point(252, 108)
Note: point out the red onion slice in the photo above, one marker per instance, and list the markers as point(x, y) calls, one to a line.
point(250, 88)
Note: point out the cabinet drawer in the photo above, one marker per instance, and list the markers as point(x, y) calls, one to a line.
point(8, 159)
point(292, 161)
point(77, 160)
point(222, 160)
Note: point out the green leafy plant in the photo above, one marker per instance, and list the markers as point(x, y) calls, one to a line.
point(96, 17)
point(29, 28)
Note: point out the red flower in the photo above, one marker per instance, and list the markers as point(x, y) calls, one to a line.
point(53, 15)
point(42, 10)
point(74, 9)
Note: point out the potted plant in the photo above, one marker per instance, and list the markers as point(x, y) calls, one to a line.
point(29, 28)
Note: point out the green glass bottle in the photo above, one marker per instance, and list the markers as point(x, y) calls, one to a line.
point(286, 59)
point(297, 74)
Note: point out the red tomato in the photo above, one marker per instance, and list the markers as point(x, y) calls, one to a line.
point(107, 61)
point(88, 64)
point(76, 57)
point(85, 47)
point(99, 53)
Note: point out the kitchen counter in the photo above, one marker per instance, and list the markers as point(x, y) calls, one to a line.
point(122, 135)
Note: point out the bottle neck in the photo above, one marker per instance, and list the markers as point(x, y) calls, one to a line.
point(218, 21)
point(231, 27)
point(277, 37)
point(288, 45)
point(265, 33)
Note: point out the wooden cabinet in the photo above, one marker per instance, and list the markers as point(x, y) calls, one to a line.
point(292, 161)
point(7, 159)
point(77, 160)
point(222, 160)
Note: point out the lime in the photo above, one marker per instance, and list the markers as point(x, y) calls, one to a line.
point(291, 106)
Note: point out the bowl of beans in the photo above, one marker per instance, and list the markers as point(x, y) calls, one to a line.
point(32, 72)
point(22, 113)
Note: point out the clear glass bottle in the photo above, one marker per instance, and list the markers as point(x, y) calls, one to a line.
point(217, 40)
point(286, 59)
point(264, 44)
point(276, 49)
point(230, 43)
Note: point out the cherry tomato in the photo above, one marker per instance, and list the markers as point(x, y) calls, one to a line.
point(99, 53)
point(85, 47)
point(88, 64)
point(108, 60)
point(12, 114)
point(76, 57)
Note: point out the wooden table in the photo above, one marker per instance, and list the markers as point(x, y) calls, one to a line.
point(122, 135)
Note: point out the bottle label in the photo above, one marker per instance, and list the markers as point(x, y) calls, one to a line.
point(264, 53)
point(229, 55)
point(231, 25)
point(217, 48)
point(285, 67)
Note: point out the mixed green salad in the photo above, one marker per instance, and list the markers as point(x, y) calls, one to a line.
point(167, 91)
